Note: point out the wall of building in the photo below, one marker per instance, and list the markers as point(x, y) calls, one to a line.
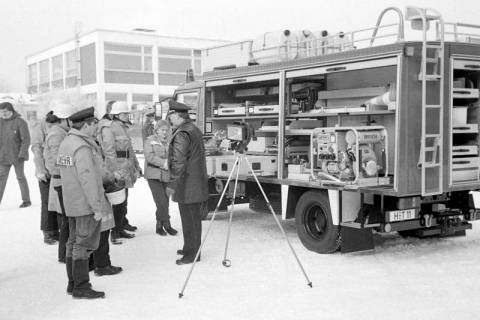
point(133, 66)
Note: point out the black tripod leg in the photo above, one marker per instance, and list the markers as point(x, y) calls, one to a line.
point(309, 283)
point(226, 262)
point(180, 295)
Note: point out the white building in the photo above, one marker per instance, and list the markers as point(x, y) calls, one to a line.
point(135, 66)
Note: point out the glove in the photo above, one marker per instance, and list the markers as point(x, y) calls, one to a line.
point(165, 165)
point(169, 192)
point(97, 216)
point(42, 177)
point(117, 175)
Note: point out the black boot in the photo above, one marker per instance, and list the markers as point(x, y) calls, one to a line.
point(161, 231)
point(127, 226)
point(82, 288)
point(186, 260)
point(115, 237)
point(48, 237)
point(125, 235)
point(91, 263)
point(69, 263)
point(107, 271)
point(169, 229)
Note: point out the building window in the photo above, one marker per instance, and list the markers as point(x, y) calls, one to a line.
point(177, 65)
point(142, 98)
point(57, 71)
point(70, 64)
point(44, 71)
point(32, 75)
point(125, 57)
point(115, 96)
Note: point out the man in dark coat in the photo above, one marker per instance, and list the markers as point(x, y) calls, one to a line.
point(188, 177)
point(14, 143)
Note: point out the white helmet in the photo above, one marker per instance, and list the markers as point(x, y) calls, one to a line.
point(63, 110)
point(119, 107)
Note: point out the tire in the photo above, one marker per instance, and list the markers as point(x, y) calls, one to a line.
point(314, 223)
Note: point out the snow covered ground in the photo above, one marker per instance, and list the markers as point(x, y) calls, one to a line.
point(401, 279)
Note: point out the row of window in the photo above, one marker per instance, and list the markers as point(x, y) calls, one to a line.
point(40, 73)
point(124, 63)
point(123, 57)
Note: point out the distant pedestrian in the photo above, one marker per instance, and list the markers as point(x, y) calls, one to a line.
point(14, 143)
point(188, 177)
point(157, 175)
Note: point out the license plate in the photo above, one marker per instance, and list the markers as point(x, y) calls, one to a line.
point(400, 215)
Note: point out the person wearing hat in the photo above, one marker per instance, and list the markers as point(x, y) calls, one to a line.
point(59, 127)
point(157, 175)
point(188, 177)
point(14, 143)
point(82, 175)
point(121, 160)
point(49, 223)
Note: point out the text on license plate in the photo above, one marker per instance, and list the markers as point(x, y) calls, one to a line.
point(400, 215)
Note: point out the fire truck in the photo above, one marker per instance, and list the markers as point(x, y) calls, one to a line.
point(355, 133)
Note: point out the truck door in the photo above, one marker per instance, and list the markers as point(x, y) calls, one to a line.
point(192, 99)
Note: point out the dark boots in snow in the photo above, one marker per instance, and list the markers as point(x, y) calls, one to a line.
point(82, 288)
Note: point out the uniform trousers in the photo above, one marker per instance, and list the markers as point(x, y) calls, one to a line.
point(22, 181)
point(161, 201)
point(48, 219)
point(192, 228)
point(84, 236)
point(120, 212)
point(101, 256)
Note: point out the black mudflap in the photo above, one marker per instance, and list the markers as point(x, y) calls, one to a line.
point(356, 239)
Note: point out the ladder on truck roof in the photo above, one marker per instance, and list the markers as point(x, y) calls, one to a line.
point(432, 77)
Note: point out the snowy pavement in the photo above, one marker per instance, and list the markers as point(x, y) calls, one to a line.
point(401, 279)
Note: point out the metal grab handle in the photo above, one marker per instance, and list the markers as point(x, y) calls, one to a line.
point(462, 92)
point(474, 66)
point(401, 33)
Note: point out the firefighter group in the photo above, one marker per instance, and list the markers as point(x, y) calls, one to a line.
point(85, 167)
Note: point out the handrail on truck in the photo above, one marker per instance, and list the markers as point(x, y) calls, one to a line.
point(401, 32)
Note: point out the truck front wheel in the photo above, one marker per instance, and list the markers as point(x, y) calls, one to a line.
point(314, 223)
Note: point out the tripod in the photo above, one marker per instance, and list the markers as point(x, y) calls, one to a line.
point(226, 262)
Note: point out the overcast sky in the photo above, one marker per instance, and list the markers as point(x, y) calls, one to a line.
point(31, 25)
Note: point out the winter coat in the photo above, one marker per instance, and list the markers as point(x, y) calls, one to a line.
point(188, 170)
point(55, 136)
point(118, 151)
point(83, 176)
point(39, 132)
point(156, 155)
point(14, 140)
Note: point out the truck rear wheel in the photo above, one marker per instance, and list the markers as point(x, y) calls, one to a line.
point(314, 223)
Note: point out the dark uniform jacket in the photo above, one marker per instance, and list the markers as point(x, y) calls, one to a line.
point(14, 140)
point(188, 171)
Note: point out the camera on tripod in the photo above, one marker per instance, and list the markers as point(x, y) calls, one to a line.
point(239, 134)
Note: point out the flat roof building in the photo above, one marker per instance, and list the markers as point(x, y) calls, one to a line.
point(135, 66)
